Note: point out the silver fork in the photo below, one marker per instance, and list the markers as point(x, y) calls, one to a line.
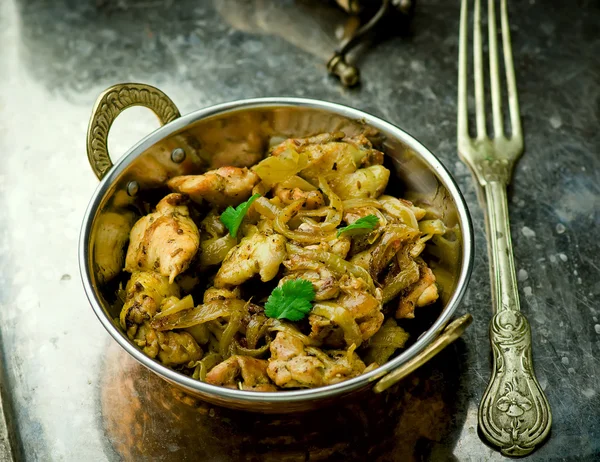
point(514, 413)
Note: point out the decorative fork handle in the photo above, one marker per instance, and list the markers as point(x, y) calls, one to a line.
point(514, 413)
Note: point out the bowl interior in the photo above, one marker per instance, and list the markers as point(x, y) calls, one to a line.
point(239, 134)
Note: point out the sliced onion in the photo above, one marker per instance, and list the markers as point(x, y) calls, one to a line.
point(360, 203)
point(275, 169)
point(226, 343)
point(401, 281)
point(200, 333)
point(282, 326)
point(390, 336)
point(253, 352)
point(281, 226)
point(266, 208)
point(388, 246)
point(336, 208)
point(385, 342)
point(432, 227)
point(213, 251)
point(320, 212)
point(297, 182)
point(334, 262)
point(205, 365)
point(256, 329)
point(341, 317)
point(171, 306)
point(399, 210)
point(199, 315)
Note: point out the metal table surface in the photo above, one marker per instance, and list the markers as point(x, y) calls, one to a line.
point(70, 393)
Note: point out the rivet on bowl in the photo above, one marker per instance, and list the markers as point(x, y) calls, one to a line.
point(132, 188)
point(178, 155)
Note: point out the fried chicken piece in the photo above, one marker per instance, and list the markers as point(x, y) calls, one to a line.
point(364, 308)
point(172, 348)
point(165, 241)
point(221, 187)
point(323, 280)
point(313, 199)
point(371, 156)
point(340, 365)
point(293, 365)
point(109, 246)
point(325, 331)
point(421, 293)
point(241, 372)
point(260, 253)
point(332, 153)
point(145, 291)
point(339, 246)
point(334, 158)
point(290, 366)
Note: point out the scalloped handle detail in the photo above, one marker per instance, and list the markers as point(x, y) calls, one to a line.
point(109, 105)
point(514, 413)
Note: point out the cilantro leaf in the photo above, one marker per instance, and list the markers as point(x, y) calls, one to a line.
point(360, 226)
point(232, 217)
point(291, 300)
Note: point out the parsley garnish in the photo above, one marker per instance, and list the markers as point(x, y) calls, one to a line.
point(360, 226)
point(232, 217)
point(291, 300)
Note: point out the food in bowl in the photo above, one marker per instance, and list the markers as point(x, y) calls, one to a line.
point(302, 265)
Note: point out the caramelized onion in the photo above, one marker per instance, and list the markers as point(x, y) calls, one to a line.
point(199, 315)
point(266, 208)
point(281, 226)
point(205, 365)
point(400, 281)
point(172, 305)
point(341, 317)
point(334, 262)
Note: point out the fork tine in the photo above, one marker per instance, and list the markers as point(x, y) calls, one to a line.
point(494, 74)
point(463, 123)
point(513, 99)
point(478, 72)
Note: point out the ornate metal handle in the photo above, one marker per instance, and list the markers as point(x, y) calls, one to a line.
point(514, 413)
point(452, 332)
point(109, 105)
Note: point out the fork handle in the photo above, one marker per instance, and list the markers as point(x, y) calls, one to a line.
point(514, 413)
point(505, 295)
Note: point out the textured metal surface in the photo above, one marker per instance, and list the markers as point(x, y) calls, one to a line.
point(58, 56)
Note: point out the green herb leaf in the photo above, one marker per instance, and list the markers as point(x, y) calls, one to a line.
point(232, 217)
point(291, 300)
point(360, 226)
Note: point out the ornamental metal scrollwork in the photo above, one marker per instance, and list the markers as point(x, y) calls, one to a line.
point(514, 413)
point(109, 105)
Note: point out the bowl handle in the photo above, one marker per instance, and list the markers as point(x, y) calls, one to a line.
point(453, 331)
point(109, 105)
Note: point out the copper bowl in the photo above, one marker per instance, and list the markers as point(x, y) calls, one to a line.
point(219, 135)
